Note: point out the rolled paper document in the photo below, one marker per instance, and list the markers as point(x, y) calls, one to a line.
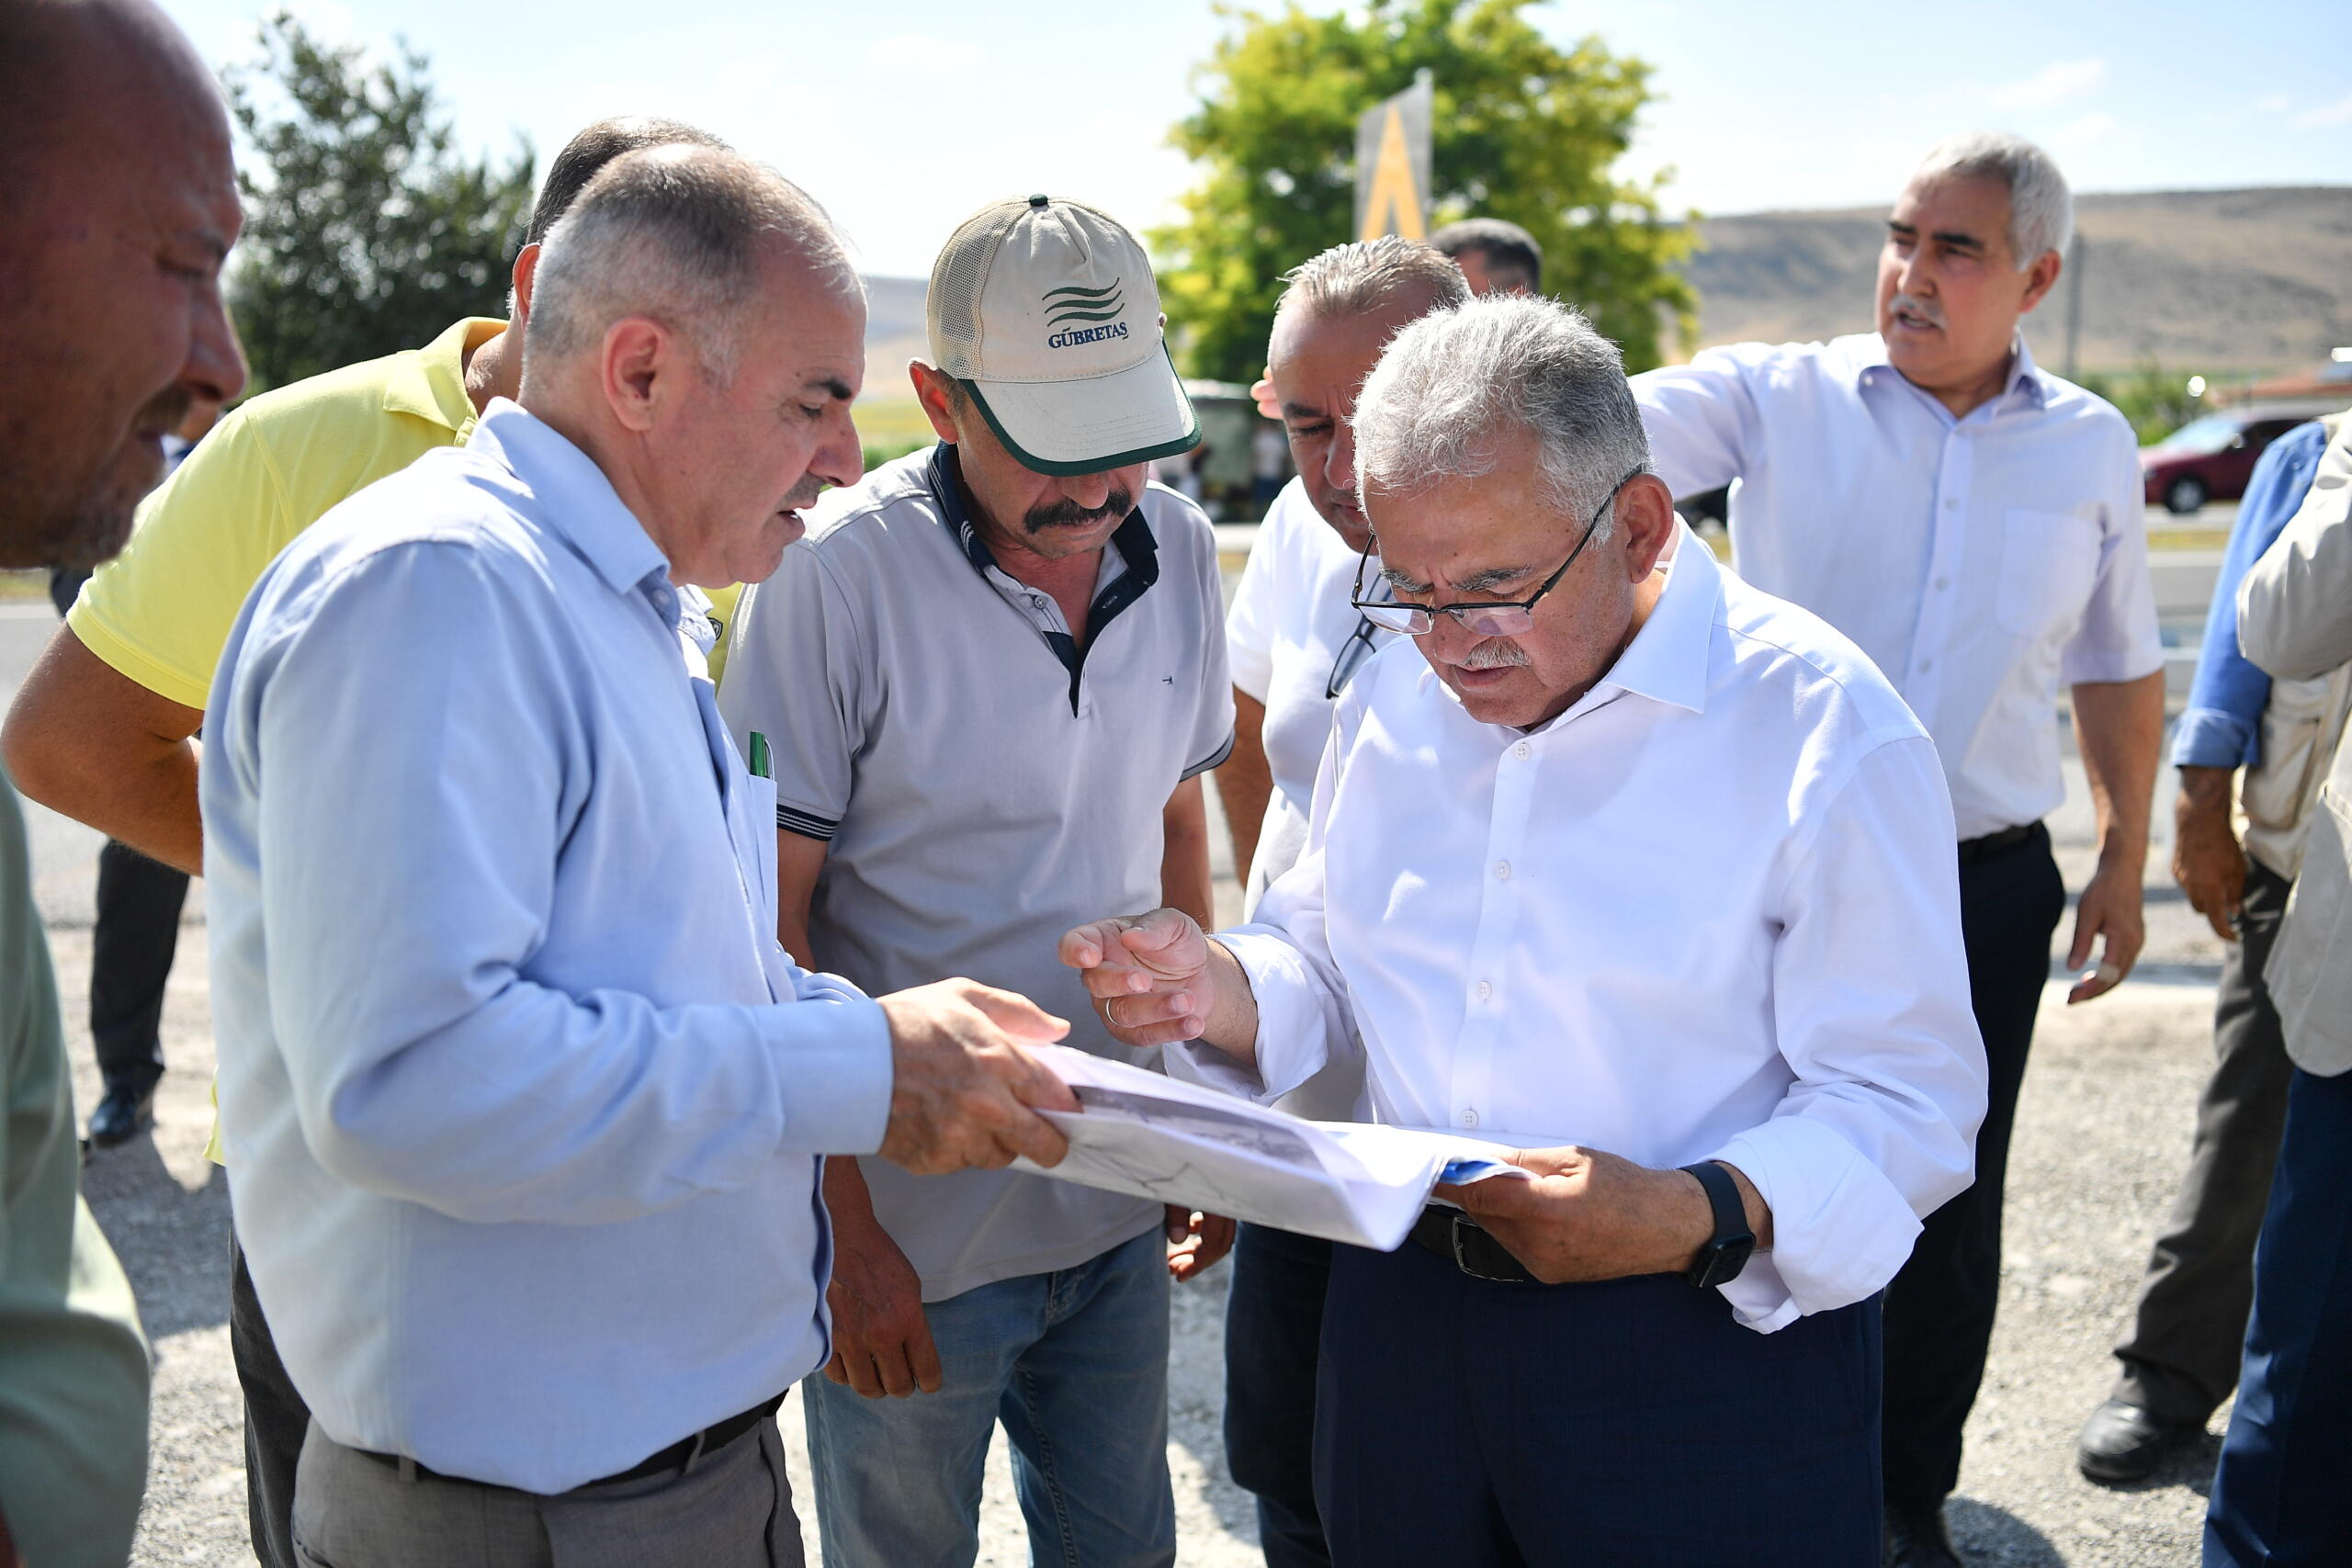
point(2107, 974)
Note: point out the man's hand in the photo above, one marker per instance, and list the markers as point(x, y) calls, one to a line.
point(1196, 1241)
point(1148, 975)
point(1587, 1215)
point(882, 1343)
point(963, 1092)
point(2206, 859)
point(2110, 907)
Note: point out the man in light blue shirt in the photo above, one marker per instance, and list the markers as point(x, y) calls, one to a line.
point(527, 1103)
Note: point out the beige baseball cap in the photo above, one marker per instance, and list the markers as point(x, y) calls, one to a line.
point(1047, 311)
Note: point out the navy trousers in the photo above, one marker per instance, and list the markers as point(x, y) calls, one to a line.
point(1273, 1316)
point(2282, 1498)
point(1939, 1308)
point(1623, 1425)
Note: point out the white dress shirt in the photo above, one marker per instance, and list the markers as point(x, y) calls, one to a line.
point(1979, 562)
point(1709, 912)
point(522, 1099)
point(1290, 631)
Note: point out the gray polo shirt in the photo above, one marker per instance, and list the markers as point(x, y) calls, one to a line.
point(985, 784)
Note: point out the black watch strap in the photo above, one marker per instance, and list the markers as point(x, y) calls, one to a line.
point(1720, 1261)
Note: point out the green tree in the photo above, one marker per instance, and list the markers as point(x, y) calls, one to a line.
point(364, 232)
point(1520, 131)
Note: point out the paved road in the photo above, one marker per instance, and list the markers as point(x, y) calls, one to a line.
point(2101, 1142)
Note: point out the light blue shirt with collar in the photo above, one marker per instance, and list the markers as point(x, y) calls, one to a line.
point(524, 1101)
point(1981, 562)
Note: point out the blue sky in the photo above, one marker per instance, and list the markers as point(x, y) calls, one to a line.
point(902, 118)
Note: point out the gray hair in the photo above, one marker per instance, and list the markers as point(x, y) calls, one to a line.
point(679, 233)
point(1454, 383)
point(1360, 279)
point(2041, 207)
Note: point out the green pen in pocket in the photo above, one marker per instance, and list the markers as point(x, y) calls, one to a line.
point(760, 767)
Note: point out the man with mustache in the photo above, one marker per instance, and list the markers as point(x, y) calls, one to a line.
point(1974, 523)
point(1623, 863)
point(103, 728)
point(118, 205)
point(989, 682)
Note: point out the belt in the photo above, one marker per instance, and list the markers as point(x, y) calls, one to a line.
point(1991, 844)
point(710, 1439)
point(1462, 1241)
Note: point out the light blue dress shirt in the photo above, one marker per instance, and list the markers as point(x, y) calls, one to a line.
point(523, 1101)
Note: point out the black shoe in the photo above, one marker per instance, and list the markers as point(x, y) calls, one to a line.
point(121, 1116)
point(2124, 1442)
point(1916, 1537)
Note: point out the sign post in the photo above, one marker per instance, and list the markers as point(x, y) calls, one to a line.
point(1393, 166)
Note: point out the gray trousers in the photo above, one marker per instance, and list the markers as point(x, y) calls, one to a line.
point(2180, 1359)
point(728, 1508)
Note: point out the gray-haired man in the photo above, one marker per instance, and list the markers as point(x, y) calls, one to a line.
point(1974, 523)
point(524, 1102)
point(991, 679)
point(1615, 851)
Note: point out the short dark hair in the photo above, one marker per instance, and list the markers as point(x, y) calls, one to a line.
point(1507, 247)
point(593, 148)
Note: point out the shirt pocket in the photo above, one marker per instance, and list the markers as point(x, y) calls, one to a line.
point(2048, 560)
point(759, 803)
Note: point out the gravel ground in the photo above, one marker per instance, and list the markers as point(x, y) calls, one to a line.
point(2101, 1141)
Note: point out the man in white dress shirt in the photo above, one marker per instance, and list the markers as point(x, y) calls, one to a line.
point(1293, 642)
point(1614, 857)
point(1974, 525)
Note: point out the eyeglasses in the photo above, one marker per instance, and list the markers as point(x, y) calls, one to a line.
point(1504, 617)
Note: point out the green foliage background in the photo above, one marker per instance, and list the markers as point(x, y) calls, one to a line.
point(364, 233)
point(1520, 129)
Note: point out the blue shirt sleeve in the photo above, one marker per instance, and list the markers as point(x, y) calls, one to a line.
point(2221, 726)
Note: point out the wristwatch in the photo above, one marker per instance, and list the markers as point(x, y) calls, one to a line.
point(1720, 1260)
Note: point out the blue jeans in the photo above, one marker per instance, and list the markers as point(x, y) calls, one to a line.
point(1075, 1364)
point(2279, 1495)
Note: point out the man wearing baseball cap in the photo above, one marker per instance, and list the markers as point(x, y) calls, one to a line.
point(989, 682)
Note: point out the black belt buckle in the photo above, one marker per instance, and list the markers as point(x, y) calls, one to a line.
point(1466, 1236)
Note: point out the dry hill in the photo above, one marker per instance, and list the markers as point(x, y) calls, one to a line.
point(2222, 282)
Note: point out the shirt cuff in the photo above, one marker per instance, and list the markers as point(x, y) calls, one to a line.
point(1841, 1229)
point(2210, 737)
point(833, 1061)
point(2109, 666)
point(1294, 1014)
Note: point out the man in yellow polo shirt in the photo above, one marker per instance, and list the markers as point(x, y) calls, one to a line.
point(101, 729)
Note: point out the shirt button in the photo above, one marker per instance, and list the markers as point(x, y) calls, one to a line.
point(1926, 665)
point(1519, 750)
point(1943, 583)
point(1469, 1119)
point(1485, 990)
point(1502, 871)
point(1952, 504)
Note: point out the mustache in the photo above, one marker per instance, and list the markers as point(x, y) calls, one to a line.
point(804, 494)
point(1495, 656)
point(1926, 309)
point(1068, 514)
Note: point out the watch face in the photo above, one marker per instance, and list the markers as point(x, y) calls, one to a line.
point(1721, 1262)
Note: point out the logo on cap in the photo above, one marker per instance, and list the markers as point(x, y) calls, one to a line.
point(1076, 304)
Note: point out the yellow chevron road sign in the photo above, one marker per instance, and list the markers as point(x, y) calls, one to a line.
point(1393, 166)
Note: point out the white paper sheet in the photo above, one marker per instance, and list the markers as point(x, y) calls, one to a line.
point(1177, 1143)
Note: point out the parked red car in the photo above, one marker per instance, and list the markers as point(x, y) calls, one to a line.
point(2211, 457)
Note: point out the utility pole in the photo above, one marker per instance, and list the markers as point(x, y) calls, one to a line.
point(2075, 306)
